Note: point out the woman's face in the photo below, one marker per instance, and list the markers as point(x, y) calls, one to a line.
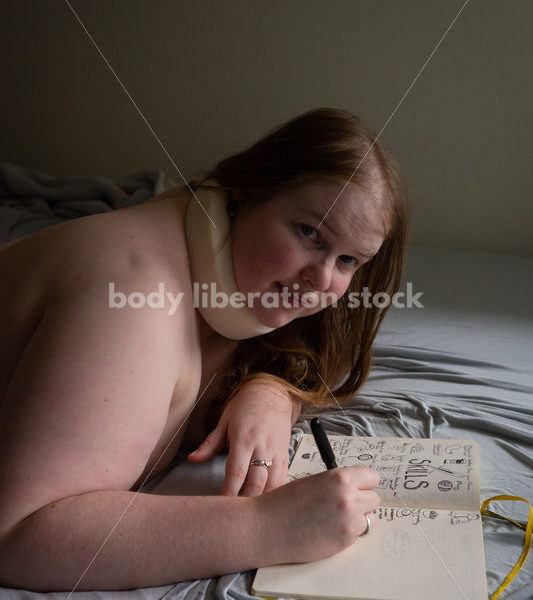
point(283, 244)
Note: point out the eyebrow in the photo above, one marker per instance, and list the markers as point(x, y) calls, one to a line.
point(316, 214)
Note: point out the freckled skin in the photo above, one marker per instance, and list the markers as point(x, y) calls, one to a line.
point(90, 398)
point(71, 264)
point(269, 246)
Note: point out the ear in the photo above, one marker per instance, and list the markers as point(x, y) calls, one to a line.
point(232, 207)
point(235, 203)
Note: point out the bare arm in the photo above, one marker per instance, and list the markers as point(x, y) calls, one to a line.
point(82, 413)
point(158, 540)
point(255, 423)
point(75, 436)
point(81, 416)
point(164, 539)
point(281, 391)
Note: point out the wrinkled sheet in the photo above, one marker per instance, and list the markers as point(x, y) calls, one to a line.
point(461, 367)
point(31, 200)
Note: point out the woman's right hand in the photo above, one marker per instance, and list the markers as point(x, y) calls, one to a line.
point(317, 516)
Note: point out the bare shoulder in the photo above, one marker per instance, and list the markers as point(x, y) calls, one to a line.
point(115, 245)
point(142, 237)
point(125, 246)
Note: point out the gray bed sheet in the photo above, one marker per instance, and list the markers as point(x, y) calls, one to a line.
point(461, 367)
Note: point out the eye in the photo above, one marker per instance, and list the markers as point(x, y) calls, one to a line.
point(351, 261)
point(308, 231)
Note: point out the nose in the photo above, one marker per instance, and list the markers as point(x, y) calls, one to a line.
point(317, 275)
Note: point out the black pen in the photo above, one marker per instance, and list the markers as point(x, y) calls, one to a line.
point(323, 444)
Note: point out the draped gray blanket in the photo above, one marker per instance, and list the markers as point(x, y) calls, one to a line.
point(31, 200)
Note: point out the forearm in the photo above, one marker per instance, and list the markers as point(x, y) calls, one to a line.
point(159, 540)
point(273, 384)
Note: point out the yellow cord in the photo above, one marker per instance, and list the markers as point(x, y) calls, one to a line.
point(527, 538)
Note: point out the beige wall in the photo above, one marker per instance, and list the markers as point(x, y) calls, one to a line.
point(212, 76)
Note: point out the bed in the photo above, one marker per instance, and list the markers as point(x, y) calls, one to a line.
point(460, 367)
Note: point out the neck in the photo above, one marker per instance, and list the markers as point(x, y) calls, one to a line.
point(211, 261)
point(207, 333)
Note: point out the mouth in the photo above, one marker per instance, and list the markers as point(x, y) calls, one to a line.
point(292, 298)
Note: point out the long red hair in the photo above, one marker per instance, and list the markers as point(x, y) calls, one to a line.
point(332, 348)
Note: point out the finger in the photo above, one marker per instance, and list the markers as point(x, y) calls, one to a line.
point(366, 478)
point(367, 500)
point(212, 444)
point(365, 528)
point(277, 473)
point(373, 518)
point(236, 471)
point(256, 480)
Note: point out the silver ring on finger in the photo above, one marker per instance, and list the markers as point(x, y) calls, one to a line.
point(368, 524)
point(259, 462)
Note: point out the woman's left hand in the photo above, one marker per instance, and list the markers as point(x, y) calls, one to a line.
point(256, 424)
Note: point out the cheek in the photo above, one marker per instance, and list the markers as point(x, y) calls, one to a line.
point(344, 284)
point(272, 258)
point(258, 260)
point(279, 257)
point(340, 285)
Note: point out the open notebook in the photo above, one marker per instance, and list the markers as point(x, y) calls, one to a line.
point(427, 541)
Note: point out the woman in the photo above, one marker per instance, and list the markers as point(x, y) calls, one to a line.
point(99, 393)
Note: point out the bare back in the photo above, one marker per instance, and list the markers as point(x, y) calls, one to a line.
point(91, 395)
